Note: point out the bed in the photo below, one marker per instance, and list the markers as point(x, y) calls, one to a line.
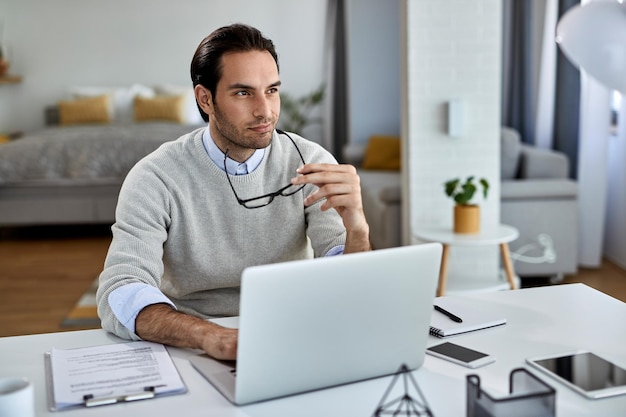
point(73, 174)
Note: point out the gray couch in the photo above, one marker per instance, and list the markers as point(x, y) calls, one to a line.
point(536, 197)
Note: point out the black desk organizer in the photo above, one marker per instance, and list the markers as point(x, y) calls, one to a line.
point(529, 397)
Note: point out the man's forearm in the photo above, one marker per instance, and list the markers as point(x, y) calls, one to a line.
point(358, 240)
point(162, 324)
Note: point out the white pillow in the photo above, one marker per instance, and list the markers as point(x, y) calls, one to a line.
point(191, 112)
point(121, 99)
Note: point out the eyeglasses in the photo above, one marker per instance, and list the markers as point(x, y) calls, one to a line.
point(266, 199)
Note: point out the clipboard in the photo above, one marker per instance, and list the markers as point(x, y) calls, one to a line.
point(170, 384)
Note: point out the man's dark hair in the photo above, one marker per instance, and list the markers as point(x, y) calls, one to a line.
point(206, 65)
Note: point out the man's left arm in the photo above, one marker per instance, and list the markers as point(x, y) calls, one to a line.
point(340, 186)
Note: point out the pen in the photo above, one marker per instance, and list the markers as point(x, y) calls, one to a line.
point(450, 315)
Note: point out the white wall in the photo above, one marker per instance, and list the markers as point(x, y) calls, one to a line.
point(592, 169)
point(615, 226)
point(62, 43)
point(452, 50)
point(374, 68)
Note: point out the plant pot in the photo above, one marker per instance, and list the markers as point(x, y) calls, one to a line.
point(466, 218)
point(4, 67)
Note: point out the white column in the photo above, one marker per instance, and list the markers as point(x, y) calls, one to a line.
point(615, 225)
point(592, 169)
point(452, 50)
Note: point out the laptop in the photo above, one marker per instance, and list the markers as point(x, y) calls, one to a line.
point(318, 323)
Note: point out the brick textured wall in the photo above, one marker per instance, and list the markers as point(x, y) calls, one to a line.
point(452, 50)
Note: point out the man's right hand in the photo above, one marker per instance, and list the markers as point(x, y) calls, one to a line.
point(221, 342)
point(160, 323)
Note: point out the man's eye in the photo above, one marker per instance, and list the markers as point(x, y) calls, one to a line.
point(272, 90)
point(242, 93)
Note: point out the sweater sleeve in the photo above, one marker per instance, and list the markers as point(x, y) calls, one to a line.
point(127, 301)
point(324, 228)
point(136, 251)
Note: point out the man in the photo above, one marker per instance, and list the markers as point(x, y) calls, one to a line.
point(188, 220)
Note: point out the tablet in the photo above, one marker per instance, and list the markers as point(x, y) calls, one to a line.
point(584, 372)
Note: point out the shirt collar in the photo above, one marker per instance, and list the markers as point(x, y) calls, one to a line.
point(233, 167)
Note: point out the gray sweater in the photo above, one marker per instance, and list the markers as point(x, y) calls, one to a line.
point(179, 227)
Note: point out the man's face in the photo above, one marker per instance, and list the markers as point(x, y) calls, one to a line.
point(244, 112)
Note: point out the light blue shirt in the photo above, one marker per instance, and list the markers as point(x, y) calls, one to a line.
point(232, 167)
point(128, 300)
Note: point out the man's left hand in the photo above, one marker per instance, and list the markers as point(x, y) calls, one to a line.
point(340, 185)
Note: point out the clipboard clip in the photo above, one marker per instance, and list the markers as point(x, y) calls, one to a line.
point(90, 401)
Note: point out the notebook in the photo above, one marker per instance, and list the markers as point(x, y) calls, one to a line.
point(474, 317)
point(317, 323)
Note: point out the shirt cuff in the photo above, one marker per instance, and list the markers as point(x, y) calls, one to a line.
point(337, 250)
point(128, 300)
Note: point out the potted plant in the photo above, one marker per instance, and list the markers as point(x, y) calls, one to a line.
point(295, 113)
point(4, 63)
point(466, 215)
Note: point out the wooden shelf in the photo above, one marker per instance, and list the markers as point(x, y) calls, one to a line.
point(10, 79)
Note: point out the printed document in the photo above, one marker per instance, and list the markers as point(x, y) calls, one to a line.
point(120, 372)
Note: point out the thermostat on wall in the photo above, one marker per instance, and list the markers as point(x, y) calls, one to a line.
point(455, 118)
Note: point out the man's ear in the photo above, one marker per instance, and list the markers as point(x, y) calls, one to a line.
point(204, 99)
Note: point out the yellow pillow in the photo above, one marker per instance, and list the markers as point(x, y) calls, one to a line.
point(382, 152)
point(84, 110)
point(164, 108)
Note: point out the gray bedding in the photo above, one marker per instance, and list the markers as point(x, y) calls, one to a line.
point(82, 152)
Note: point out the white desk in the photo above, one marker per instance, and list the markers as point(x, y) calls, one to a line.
point(540, 321)
point(500, 235)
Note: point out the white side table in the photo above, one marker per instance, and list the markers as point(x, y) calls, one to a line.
point(500, 235)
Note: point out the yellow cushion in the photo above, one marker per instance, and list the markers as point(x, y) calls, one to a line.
point(382, 152)
point(164, 108)
point(84, 110)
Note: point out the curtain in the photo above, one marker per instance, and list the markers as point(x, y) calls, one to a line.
point(542, 106)
point(567, 107)
point(336, 120)
point(517, 67)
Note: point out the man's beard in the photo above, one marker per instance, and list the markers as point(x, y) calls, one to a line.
point(242, 137)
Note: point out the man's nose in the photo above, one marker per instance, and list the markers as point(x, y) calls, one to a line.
point(262, 107)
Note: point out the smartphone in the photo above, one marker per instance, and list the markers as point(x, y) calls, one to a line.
point(460, 355)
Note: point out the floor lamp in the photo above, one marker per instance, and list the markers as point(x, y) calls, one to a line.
point(593, 37)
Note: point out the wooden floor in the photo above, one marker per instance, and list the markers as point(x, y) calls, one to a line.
point(44, 271)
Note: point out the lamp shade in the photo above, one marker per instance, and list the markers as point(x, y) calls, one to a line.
point(593, 37)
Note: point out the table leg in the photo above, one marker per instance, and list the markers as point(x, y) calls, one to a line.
point(508, 265)
point(443, 271)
